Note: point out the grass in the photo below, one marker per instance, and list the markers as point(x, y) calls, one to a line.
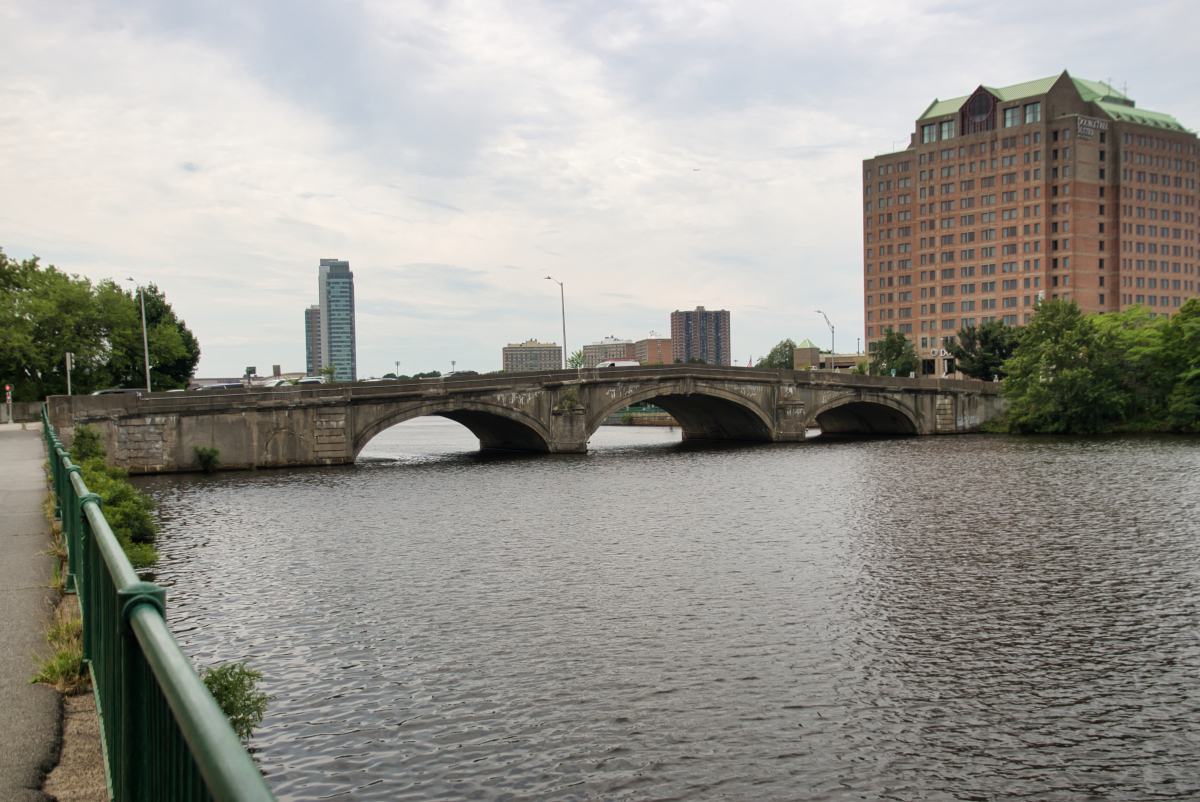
point(64, 669)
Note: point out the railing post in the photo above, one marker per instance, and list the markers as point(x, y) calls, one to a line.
point(85, 587)
point(71, 520)
point(133, 771)
point(56, 475)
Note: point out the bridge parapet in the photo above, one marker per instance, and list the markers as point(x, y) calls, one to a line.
point(552, 411)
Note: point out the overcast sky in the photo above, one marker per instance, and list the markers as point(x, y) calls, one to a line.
point(651, 155)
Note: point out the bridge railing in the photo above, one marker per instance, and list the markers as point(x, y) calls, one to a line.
point(164, 736)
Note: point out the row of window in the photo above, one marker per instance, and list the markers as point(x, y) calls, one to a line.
point(1153, 197)
point(1152, 300)
point(1144, 141)
point(1153, 283)
point(932, 132)
point(1150, 160)
point(1153, 266)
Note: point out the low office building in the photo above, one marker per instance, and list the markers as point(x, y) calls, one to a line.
point(606, 349)
point(653, 350)
point(1055, 188)
point(532, 355)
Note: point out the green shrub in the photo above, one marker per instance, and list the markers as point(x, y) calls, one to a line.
point(627, 418)
point(126, 509)
point(209, 458)
point(235, 689)
point(64, 669)
point(570, 399)
point(86, 444)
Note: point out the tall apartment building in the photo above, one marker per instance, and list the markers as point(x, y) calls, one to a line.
point(1056, 188)
point(653, 350)
point(532, 355)
point(336, 294)
point(701, 334)
point(312, 340)
point(606, 349)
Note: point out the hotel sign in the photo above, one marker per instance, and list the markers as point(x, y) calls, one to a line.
point(1087, 125)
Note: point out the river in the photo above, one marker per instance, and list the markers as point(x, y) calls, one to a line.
point(949, 618)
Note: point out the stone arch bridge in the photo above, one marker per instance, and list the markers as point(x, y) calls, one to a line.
point(553, 411)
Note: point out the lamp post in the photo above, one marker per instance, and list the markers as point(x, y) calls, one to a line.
point(70, 360)
point(832, 339)
point(563, 299)
point(145, 338)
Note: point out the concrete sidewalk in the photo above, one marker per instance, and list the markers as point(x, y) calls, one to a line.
point(30, 715)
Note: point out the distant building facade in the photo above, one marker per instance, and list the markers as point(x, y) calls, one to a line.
point(532, 355)
point(336, 293)
point(606, 349)
point(701, 334)
point(653, 350)
point(312, 340)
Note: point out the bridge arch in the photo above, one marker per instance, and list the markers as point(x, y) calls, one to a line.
point(496, 426)
point(703, 413)
point(854, 414)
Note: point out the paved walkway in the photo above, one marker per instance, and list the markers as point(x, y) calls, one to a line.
point(30, 715)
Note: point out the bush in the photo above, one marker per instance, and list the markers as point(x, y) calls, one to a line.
point(235, 689)
point(627, 418)
point(126, 509)
point(207, 457)
point(86, 444)
point(570, 399)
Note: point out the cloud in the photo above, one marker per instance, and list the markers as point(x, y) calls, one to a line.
point(458, 152)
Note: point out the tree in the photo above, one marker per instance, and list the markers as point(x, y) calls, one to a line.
point(1181, 351)
point(781, 357)
point(894, 352)
point(328, 373)
point(980, 351)
point(576, 359)
point(697, 360)
point(45, 313)
point(1066, 375)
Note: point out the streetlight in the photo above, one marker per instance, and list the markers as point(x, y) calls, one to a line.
point(145, 339)
point(832, 339)
point(563, 298)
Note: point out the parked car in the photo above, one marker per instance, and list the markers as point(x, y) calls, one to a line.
point(115, 390)
point(311, 380)
point(619, 363)
point(224, 386)
point(460, 373)
point(275, 383)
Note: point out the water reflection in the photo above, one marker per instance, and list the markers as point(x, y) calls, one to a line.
point(933, 618)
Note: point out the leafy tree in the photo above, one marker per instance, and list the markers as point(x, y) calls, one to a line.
point(781, 357)
point(894, 352)
point(1181, 351)
point(328, 373)
point(576, 359)
point(860, 369)
point(1066, 376)
point(697, 360)
point(980, 351)
point(44, 313)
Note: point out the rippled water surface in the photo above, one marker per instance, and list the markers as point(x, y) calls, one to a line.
point(920, 619)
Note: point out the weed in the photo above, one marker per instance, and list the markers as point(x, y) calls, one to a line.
point(86, 444)
point(209, 458)
point(627, 418)
point(64, 669)
point(570, 399)
point(235, 689)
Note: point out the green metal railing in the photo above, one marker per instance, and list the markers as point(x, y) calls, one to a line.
point(164, 737)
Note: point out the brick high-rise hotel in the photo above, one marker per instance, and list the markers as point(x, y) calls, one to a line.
point(1060, 187)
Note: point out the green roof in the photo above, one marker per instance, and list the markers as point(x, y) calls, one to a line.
point(807, 343)
point(1116, 105)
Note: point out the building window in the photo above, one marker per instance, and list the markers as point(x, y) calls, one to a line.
point(1012, 116)
point(1033, 112)
point(948, 129)
point(929, 133)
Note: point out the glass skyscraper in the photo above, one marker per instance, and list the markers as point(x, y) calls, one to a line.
point(337, 342)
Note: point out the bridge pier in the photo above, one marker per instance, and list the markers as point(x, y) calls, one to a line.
point(555, 412)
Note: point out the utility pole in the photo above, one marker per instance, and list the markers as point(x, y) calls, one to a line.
point(70, 359)
point(145, 337)
point(563, 299)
